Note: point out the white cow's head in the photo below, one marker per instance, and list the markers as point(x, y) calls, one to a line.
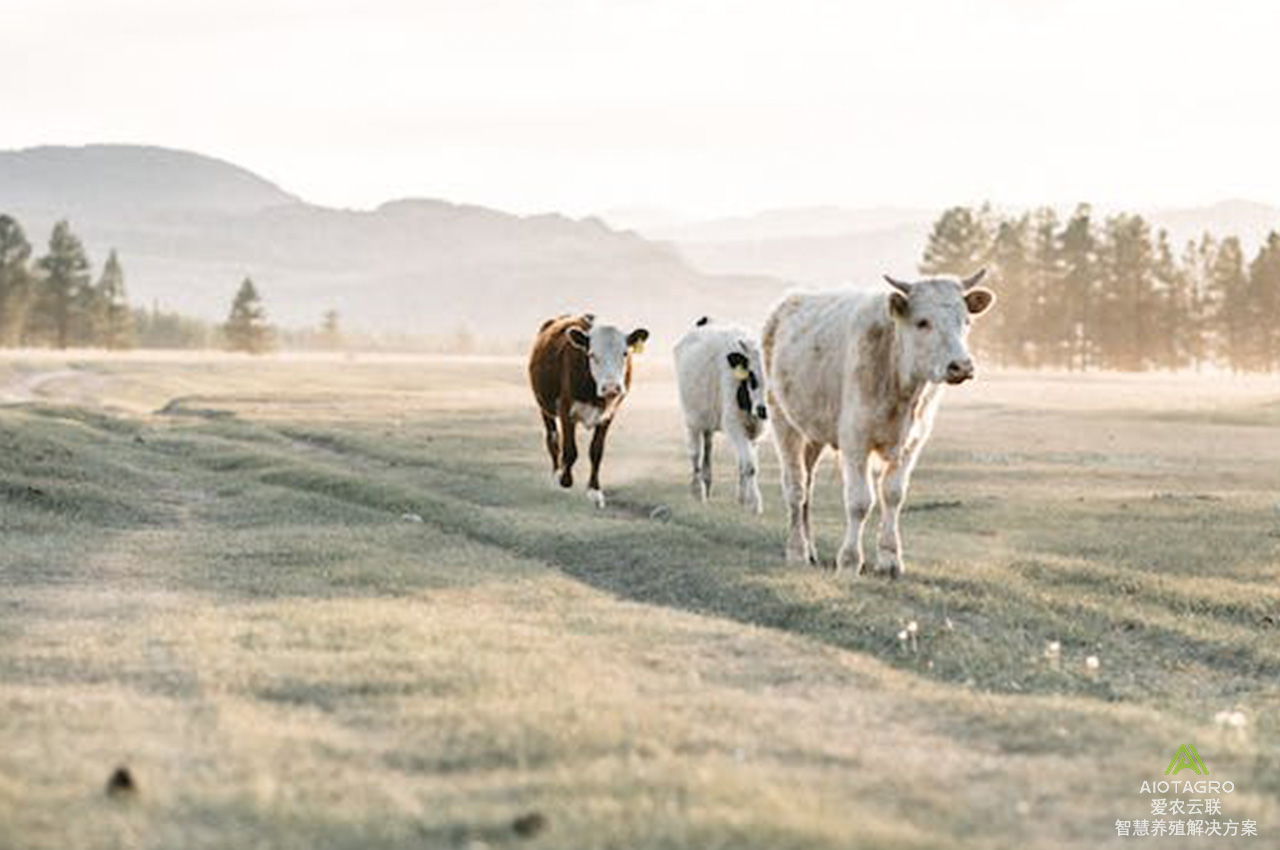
point(608, 352)
point(747, 375)
point(933, 318)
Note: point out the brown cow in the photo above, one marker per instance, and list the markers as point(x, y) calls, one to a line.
point(580, 371)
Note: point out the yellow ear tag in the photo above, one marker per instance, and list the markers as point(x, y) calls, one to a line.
point(740, 373)
point(637, 347)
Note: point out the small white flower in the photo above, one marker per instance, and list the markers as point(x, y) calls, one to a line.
point(1092, 663)
point(913, 627)
point(1231, 719)
point(902, 635)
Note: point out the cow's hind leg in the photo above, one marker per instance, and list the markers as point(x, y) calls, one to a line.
point(594, 493)
point(707, 437)
point(791, 450)
point(748, 488)
point(894, 480)
point(553, 440)
point(858, 502)
point(812, 453)
point(697, 484)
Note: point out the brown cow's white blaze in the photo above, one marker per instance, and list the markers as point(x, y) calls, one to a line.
point(580, 371)
point(863, 372)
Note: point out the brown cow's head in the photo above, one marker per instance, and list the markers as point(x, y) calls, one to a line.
point(933, 318)
point(608, 350)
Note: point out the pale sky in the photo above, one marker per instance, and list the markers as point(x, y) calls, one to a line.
point(700, 106)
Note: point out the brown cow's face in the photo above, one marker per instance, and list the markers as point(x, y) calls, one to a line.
point(608, 350)
point(934, 317)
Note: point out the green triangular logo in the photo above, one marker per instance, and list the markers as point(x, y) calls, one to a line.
point(1185, 757)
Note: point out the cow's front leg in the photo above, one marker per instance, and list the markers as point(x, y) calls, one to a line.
point(568, 448)
point(748, 488)
point(594, 493)
point(894, 480)
point(553, 440)
point(858, 501)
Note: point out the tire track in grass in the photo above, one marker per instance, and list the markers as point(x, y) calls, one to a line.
point(749, 592)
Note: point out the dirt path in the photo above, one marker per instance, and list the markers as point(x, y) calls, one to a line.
point(24, 389)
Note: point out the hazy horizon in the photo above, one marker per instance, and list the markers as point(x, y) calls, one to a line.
point(700, 109)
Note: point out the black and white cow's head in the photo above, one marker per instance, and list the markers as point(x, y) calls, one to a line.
point(745, 372)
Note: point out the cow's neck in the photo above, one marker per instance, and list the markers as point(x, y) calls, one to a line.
point(904, 386)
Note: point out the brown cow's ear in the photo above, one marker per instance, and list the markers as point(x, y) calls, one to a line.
point(979, 300)
point(579, 338)
point(636, 339)
point(899, 306)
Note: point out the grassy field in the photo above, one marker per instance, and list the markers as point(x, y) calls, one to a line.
point(338, 604)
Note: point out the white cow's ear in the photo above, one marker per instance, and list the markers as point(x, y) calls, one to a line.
point(899, 306)
point(578, 338)
point(979, 301)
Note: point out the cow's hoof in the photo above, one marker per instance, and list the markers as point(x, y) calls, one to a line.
point(698, 489)
point(596, 497)
point(849, 560)
point(566, 479)
point(800, 556)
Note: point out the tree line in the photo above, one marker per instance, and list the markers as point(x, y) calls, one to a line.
point(53, 300)
point(1085, 294)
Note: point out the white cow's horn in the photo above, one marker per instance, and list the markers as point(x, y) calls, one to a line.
point(973, 280)
point(900, 285)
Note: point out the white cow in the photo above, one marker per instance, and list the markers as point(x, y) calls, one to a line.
point(862, 371)
point(722, 388)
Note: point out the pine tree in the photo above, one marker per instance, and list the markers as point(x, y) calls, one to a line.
point(959, 243)
point(1047, 311)
point(1262, 333)
point(1197, 264)
point(246, 328)
point(1078, 253)
point(1176, 327)
point(330, 331)
point(1010, 272)
point(16, 289)
point(1228, 288)
point(1122, 326)
point(63, 283)
point(112, 319)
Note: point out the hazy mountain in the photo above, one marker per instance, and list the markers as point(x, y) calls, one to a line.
point(103, 179)
point(858, 257)
point(789, 223)
point(188, 228)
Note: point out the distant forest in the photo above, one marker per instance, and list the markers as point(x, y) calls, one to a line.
point(1085, 294)
point(54, 300)
point(1080, 294)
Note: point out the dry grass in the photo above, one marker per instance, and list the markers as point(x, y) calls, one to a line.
point(227, 599)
